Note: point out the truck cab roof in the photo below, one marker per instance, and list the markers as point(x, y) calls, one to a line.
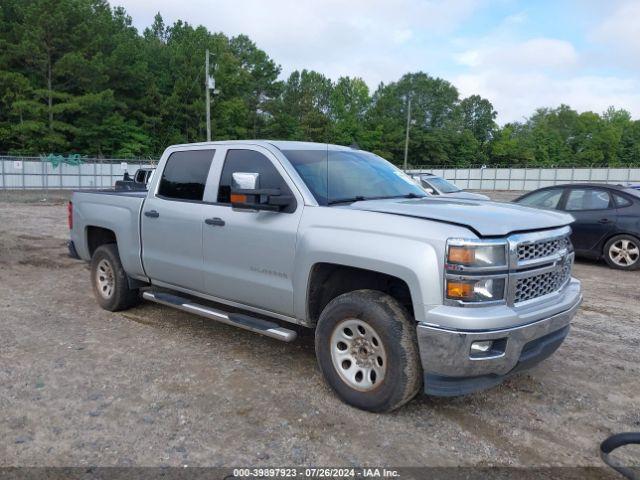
point(279, 144)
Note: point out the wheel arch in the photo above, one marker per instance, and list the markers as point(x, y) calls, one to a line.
point(328, 280)
point(97, 236)
point(616, 233)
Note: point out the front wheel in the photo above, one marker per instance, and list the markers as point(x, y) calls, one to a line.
point(367, 350)
point(623, 252)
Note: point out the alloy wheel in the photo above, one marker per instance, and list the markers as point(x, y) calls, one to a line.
point(624, 252)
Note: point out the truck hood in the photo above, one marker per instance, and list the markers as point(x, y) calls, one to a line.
point(483, 217)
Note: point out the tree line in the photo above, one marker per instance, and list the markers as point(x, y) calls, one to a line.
point(77, 77)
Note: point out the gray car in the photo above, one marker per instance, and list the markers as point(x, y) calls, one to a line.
point(404, 292)
point(435, 185)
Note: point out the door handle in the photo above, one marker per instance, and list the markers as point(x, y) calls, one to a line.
point(151, 214)
point(215, 221)
point(604, 220)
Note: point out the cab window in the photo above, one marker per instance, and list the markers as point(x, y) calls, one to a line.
point(185, 175)
point(251, 161)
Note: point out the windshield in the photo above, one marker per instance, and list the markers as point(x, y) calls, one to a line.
point(440, 184)
point(335, 176)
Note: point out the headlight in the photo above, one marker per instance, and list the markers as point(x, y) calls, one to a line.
point(475, 271)
point(476, 254)
point(475, 290)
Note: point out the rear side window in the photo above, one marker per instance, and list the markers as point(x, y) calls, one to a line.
point(250, 161)
point(588, 199)
point(620, 201)
point(185, 175)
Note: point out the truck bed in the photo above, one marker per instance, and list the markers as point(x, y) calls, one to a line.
point(115, 211)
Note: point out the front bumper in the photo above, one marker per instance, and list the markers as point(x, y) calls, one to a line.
point(450, 368)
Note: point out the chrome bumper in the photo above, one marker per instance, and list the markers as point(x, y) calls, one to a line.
point(446, 354)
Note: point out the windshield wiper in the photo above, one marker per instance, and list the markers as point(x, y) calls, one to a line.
point(357, 198)
point(407, 195)
point(360, 198)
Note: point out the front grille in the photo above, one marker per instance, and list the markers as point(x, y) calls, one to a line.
point(539, 285)
point(541, 249)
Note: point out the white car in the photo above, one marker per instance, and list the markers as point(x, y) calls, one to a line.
point(435, 185)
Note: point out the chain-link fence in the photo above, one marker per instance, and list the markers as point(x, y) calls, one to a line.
point(76, 173)
point(68, 173)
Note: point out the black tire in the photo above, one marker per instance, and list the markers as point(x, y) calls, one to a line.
point(397, 331)
point(117, 296)
point(632, 259)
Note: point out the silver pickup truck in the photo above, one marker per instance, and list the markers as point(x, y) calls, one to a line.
point(404, 292)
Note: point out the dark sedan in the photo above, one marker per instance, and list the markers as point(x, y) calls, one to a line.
point(607, 219)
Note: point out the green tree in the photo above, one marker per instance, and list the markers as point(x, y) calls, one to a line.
point(478, 116)
point(349, 101)
point(302, 111)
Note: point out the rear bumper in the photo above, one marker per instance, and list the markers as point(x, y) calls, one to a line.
point(450, 368)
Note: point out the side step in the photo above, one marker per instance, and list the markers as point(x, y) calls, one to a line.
point(257, 325)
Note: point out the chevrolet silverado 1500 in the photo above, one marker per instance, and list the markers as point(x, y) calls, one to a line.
point(404, 292)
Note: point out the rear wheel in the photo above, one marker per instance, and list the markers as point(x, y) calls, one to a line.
point(623, 252)
point(367, 350)
point(109, 280)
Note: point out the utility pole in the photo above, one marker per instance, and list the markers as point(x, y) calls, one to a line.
point(406, 140)
point(206, 88)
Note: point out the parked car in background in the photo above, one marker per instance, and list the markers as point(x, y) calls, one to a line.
point(138, 182)
point(607, 219)
point(435, 185)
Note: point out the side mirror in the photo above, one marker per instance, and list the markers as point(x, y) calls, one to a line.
point(247, 194)
point(430, 191)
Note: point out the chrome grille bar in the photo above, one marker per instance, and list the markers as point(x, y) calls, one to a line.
point(538, 248)
point(540, 264)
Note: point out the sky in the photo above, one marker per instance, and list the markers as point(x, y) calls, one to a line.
point(521, 55)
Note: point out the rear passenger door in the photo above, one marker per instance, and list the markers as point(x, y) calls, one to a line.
point(172, 221)
point(595, 215)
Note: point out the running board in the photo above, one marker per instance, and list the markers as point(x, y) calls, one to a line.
point(253, 324)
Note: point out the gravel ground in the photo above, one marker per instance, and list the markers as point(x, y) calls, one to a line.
point(152, 386)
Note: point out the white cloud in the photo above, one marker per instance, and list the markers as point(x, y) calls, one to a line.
point(512, 63)
point(402, 36)
point(516, 95)
point(515, 19)
point(622, 27)
point(374, 39)
point(619, 33)
point(520, 76)
point(534, 53)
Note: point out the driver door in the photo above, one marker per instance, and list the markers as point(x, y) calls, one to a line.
point(248, 254)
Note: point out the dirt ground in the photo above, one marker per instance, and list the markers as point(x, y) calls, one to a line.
point(152, 386)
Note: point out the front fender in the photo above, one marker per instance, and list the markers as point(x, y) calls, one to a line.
point(407, 248)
